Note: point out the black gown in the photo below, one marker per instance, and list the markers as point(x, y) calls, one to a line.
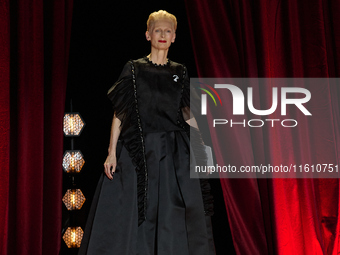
point(151, 206)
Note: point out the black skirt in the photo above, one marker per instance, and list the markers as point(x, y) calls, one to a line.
point(175, 220)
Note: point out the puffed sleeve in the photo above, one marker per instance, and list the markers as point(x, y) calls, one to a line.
point(121, 93)
point(124, 102)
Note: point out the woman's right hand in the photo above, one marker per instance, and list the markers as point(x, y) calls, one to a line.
point(110, 166)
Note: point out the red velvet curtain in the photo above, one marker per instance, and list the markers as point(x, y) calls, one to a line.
point(4, 120)
point(34, 41)
point(271, 38)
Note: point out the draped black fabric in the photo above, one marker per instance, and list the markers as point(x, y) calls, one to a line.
point(151, 206)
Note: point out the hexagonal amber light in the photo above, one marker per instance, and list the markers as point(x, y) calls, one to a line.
point(74, 199)
point(73, 124)
point(73, 236)
point(73, 161)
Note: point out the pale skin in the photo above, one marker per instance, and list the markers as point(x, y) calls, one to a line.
point(111, 160)
point(162, 33)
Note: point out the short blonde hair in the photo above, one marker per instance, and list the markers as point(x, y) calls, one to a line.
point(161, 14)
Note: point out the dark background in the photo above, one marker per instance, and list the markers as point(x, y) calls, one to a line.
point(105, 35)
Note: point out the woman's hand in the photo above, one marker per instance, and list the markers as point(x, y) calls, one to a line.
point(111, 160)
point(110, 166)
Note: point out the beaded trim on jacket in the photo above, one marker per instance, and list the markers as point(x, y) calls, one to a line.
point(142, 177)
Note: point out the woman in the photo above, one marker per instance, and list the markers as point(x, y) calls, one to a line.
point(148, 204)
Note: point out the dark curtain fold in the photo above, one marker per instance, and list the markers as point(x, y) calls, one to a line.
point(34, 40)
point(4, 120)
point(275, 39)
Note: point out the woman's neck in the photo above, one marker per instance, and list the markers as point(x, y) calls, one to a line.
point(158, 57)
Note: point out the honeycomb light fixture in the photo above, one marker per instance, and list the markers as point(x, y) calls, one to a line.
point(73, 161)
point(73, 124)
point(74, 199)
point(73, 236)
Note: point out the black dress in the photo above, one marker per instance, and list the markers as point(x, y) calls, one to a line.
point(151, 206)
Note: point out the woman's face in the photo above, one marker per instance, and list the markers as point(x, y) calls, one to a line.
point(161, 34)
